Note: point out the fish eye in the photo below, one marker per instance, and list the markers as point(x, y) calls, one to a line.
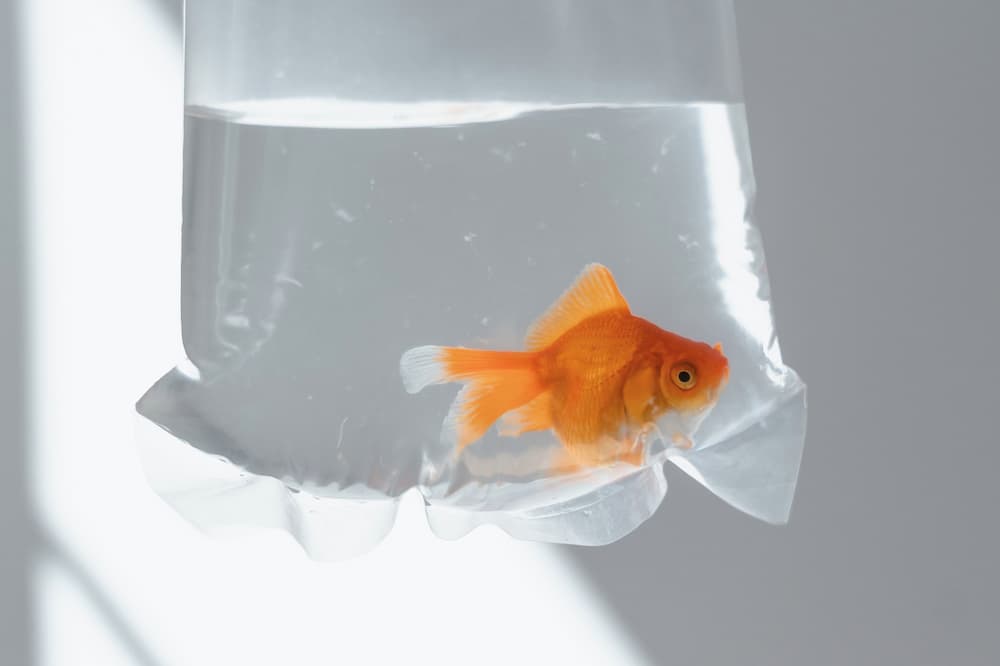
point(684, 376)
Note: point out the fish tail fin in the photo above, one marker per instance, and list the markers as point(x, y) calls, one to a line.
point(420, 367)
point(496, 382)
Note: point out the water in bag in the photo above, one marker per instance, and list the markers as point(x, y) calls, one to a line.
point(326, 237)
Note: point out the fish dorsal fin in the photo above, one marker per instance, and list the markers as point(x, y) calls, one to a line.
point(593, 292)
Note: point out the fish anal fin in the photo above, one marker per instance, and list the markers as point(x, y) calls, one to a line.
point(607, 450)
point(564, 462)
point(534, 416)
point(593, 292)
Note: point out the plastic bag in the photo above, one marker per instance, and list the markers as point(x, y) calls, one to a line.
point(365, 178)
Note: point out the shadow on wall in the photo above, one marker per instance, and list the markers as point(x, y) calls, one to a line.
point(118, 625)
point(24, 546)
point(16, 612)
point(171, 10)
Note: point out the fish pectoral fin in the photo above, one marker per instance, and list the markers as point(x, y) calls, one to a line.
point(632, 449)
point(593, 292)
point(635, 456)
point(535, 415)
point(681, 441)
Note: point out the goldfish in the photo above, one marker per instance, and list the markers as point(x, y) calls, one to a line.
point(596, 375)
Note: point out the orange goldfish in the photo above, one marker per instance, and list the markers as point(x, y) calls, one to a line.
point(592, 372)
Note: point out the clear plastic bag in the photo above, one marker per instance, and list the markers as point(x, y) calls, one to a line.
point(365, 178)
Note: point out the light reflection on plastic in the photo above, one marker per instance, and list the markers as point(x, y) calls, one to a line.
point(740, 286)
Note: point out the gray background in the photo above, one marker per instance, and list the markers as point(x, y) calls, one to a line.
point(877, 152)
point(875, 129)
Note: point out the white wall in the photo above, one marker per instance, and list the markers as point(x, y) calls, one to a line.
point(123, 579)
